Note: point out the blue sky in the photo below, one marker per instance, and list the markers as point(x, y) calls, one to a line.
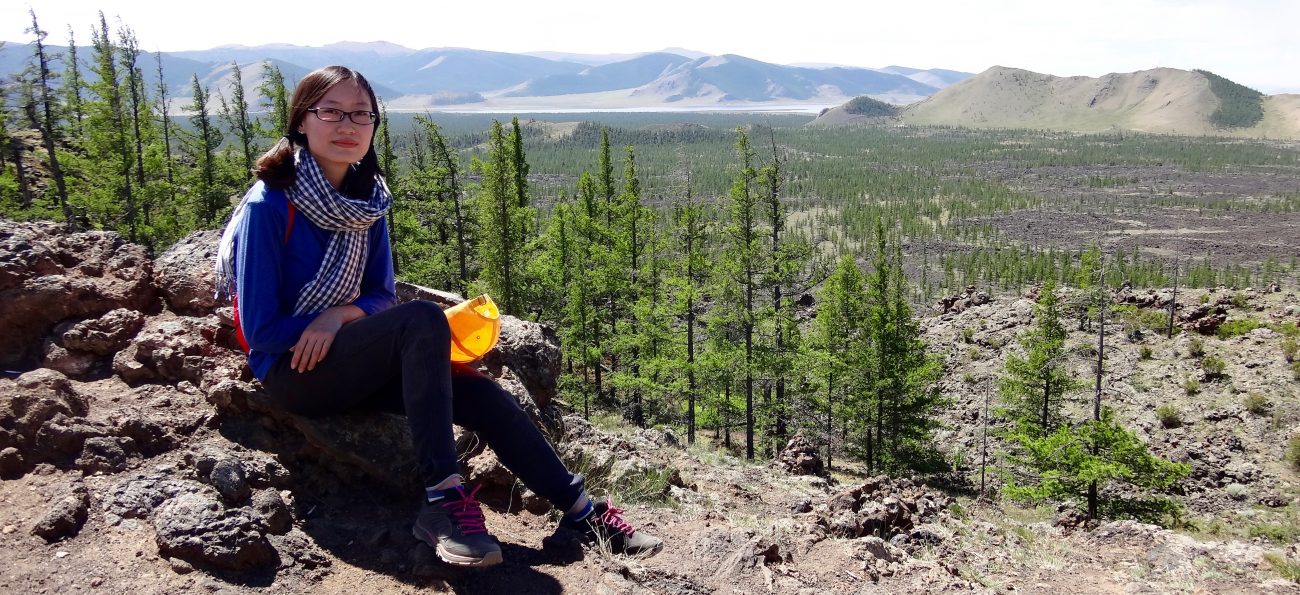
point(1250, 41)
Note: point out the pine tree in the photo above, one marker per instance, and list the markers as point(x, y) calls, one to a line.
point(630, 221)
point(503, 223)
point(739, 267)
point(429, 214)
point(275, 97)
point(1034, 386)
point(447, 163)
point(241, 125)
point(581, 314)
point(791, 269)
point(164, 118)
point(202, 147)
point(553, 268)
point(519, 176)
point(108, 190)
point(908, 384)
point(1067, 461)
point(46, 107)
point(838, 343)
point(687, 280)
point(387, 168)
point(1087, 280)
point(72, 86)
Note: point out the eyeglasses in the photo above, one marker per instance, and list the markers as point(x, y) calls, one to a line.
point(329, 114)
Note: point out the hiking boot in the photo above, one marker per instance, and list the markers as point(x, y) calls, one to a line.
point(453, 526)
point(605, 526)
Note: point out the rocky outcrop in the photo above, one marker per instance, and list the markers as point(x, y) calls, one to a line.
point(966, 300)
point(48, 276)
point(184, 273)
point(66, 517)
point(801, 457)
point(1204, 319)
point(196, 528)
point(883, 507)
point(126, 377)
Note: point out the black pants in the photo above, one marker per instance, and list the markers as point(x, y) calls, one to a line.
point(400, 360)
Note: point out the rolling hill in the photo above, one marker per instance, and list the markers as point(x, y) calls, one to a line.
point(1159, 100)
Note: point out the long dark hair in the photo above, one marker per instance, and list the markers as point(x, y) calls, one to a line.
point(275, 167)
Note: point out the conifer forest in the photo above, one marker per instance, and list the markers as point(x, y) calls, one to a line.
point(740, 277)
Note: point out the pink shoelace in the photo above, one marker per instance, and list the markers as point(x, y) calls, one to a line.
point(466, 512)
point(611, 517)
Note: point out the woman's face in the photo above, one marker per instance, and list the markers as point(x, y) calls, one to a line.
point(336, 145)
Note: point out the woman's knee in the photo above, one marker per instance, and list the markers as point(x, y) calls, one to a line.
point(424, 317)
point(481, 401)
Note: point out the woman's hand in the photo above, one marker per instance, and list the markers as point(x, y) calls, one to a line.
point(314, 344)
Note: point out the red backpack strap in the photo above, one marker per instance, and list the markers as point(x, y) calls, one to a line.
point(239, 329)
point(288, 228)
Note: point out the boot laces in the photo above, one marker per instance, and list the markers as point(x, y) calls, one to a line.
point(466, 512)
point(612, 518)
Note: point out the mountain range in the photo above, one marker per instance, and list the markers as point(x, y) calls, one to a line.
point(432, 78)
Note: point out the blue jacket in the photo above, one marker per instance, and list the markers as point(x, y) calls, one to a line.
point(270, 273)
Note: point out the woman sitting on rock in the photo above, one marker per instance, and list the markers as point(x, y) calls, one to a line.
point(315, 302)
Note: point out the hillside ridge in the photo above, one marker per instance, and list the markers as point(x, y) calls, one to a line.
point(1157, 100)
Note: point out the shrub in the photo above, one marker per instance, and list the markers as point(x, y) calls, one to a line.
point(1293, 452)
point(1196, 348)
point(1237, 328)
point(1135, 320)
point(1289, 348)
point(967, 334)
point(1191, 386)
point(1256, 403)
point(1295, 370)
point(1287, 569)
point(1145, 352)
point(1239, 300)
point(1213, 366)
point(1169, 416)
point(1237, 492)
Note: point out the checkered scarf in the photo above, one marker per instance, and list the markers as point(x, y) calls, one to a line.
point(338, 280)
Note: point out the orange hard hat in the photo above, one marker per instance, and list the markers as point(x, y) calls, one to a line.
point(475, 327)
